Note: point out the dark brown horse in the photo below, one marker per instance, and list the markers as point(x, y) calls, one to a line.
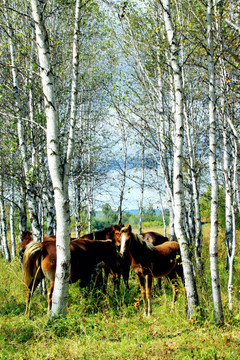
point(149, 261)
point(39, 260)
point(113, 233)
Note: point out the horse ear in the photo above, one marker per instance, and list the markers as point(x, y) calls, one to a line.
point(129, 228)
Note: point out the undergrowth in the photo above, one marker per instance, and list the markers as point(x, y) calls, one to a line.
point(112, 325)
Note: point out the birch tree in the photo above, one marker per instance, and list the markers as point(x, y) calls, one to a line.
point(59, 172)
point(141, 186)
point(213, 248)
point(4, 243)
point(191, 291)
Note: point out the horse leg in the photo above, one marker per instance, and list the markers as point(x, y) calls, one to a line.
point(50, 292)
point(141, 281)
point(159, 283)
point(126, 275)
point(148, 284)
point(173, 278)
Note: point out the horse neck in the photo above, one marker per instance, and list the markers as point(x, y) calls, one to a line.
point(101, 234)
point(140, 250)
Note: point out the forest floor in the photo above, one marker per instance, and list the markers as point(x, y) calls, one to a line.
point(112, 326)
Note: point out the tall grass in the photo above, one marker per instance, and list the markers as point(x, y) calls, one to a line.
point(112, 326)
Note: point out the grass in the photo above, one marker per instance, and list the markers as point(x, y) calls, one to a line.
point(112, 326)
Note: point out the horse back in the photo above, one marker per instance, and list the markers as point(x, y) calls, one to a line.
point(168, 248)
point(154, 238)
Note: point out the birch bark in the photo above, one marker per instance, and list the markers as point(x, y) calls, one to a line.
point(4, 243)
point(141, 188)
point(124, 171)
point(12, 223)
point(59, 172)
point(191, 291)
point(213, 247)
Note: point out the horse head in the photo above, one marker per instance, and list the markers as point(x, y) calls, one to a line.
point(124, 239)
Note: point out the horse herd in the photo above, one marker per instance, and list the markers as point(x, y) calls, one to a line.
point(150, 255)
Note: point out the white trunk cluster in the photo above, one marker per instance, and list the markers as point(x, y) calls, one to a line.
point(32, 203)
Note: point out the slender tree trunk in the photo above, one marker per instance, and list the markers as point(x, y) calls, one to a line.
point(231, 262)
point(4, 244)
point(22, 212)
point(213, 248)
point(234, 207)
point(124, 171)
point(198, 224)
point(191, 291)
point(77, 210)
point(12, 223)
point(142, 188)
point(90, 177)
point(228, 193)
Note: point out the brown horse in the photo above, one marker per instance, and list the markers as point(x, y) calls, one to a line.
point(39, 260)
point(153, 238)
point(149, 261)
point(26, 238)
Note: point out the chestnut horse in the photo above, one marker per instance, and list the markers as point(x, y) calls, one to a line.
point(39, 260)
point(26, 238)
point(153, 238)
point(149, 261)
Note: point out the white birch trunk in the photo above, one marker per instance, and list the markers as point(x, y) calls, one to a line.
point(124, 171)
point(4, 243)
point(213, 248)
point(234, 207)
point(198, 223)
point(228, 193)
point(89, 184)
point(227, 141)
point(12, 223)
point(141, 189)
point(231, 262)
point(77, 199)
point(191, 291)
point(59, 175)
point(22, 212)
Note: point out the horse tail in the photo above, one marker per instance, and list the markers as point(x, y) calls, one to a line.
point(30, 262)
